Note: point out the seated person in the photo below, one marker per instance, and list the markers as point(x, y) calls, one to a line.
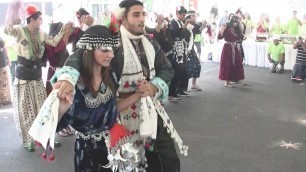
point(276, 55)
point(299, 69)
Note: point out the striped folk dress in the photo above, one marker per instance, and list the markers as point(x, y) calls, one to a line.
point(29, 94)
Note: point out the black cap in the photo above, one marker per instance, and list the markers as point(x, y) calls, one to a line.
point(98, 36)
point(181, 10)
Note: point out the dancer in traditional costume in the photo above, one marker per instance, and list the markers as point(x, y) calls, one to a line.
point(29, 90)
point(94, 110)
point(194, 66)
point(231, 67)
point(178, 26)
point(162, 34)
point(139, 60)
point(56, 57)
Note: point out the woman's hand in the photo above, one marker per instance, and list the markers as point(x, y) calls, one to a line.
point(65, 104)
point(160, 21)
point(222, 29)
point(65, 88)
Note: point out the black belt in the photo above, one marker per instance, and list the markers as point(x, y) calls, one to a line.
point(27, 69)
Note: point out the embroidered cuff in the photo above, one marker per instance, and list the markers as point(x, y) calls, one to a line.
point(66, 73)
point(163, 88)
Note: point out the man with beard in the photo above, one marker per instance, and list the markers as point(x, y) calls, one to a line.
point(140, 66)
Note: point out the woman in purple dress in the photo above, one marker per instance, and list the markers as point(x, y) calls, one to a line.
point(231, 67)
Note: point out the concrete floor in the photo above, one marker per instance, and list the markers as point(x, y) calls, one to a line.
point(227, 129)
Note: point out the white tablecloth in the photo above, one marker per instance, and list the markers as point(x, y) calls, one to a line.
point(256, 53)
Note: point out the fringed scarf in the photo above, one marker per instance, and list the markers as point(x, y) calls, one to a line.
point(132, 65)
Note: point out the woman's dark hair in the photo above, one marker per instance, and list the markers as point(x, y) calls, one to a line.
point(230, 15)
point(87, 74)
point(35, 16)
point(237, 29)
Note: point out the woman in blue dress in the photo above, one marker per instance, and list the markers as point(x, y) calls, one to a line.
point(93, 111)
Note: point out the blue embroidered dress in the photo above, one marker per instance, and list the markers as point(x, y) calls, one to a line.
point(90, 116)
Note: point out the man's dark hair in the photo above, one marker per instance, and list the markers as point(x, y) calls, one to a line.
point(127, 4)
point(35, 16)
point(81, 12)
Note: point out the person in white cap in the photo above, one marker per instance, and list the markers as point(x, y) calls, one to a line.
point(276, 55)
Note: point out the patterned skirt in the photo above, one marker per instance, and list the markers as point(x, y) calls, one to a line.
point(90, 155)
point(28, 98)
point(194, 65)
point(5, 95)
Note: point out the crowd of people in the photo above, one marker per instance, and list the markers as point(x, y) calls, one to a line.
point(110, 89)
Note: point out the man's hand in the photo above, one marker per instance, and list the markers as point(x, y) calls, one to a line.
point(65, 90)
point(146, 88)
